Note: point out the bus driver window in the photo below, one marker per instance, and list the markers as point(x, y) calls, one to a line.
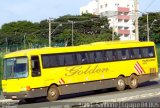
point(35, 66)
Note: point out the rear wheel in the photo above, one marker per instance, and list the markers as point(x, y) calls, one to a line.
point(121, 85)
point(53, 93)
point(133, 81)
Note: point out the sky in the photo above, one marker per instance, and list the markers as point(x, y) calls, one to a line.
point(37, 10)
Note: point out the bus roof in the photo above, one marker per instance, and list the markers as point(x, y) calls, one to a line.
point(81, 48)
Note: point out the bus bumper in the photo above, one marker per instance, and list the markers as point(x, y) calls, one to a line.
point(26, 94)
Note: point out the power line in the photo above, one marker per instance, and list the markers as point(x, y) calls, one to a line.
point(149, 5)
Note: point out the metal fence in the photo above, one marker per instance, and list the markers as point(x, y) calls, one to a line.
point(14, 47)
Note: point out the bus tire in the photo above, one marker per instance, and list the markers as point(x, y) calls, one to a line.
point(53, 93)
point(121, 85)
point(133, 82)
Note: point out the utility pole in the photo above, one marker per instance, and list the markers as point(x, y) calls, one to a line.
point(148, 29)
point(72, 22)
point(113, 30)
point(24, 40)
point(49, 36)
point(136, 19)
point(6, 44)
point(72, 32)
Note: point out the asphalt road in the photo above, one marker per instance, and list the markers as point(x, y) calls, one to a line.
point(146, 91)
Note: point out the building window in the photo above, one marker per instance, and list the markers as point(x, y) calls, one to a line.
point(119, 20)
point(106, 12)
point(101, 13)
point(126, 35)
point(101, 6)
point(126, 28)
point(105, 5)
point(126, 13)
point(120, 13)
point(126, 21)
point(117, 4)
point(120, 35)
point(120, 27)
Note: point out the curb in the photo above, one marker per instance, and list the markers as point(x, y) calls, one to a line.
point(9, 101)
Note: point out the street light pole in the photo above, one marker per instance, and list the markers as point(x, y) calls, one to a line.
point(6, 44)
point(136, 20)
point(49, 36)
point(113, 31)
point(24, 40)
point(72, 30)
point(148, 29)
point(72, 33)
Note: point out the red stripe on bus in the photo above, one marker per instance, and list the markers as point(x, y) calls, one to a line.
point(137, 69)
point(141, 67)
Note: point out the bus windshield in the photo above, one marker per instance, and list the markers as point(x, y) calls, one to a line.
point(15, 68)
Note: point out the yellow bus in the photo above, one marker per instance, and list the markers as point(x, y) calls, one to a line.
point(51, 72)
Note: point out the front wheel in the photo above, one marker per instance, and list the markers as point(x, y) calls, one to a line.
point(53, 93)
point(121, 85)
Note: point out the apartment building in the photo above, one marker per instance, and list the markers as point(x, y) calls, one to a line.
point(119, 12)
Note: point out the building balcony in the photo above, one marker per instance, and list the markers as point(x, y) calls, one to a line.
point(125, 17)
point(123, 9)
point(122, 24)
point(125, 32)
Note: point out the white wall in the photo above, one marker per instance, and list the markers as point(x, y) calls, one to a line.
point(109, 8)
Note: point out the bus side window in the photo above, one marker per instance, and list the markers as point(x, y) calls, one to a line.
point(35, 66)
point(91, 57)
point(151, 52)
point(125, 54)
point(115, 55)
point(137, 53)
point(99, 56)
point(108, 56)
point(79, 58)
point(69, 60)
point(85, 58)
point(61, 60)
point(144, 52)
point(119, 53)
point(131, 52)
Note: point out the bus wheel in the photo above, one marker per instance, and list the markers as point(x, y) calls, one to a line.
point(133, 82)
point(121, 85)
point(53, 93)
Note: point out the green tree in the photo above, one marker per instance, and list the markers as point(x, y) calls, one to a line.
point(15, 32)
point(87, 28)
point(153, 26)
